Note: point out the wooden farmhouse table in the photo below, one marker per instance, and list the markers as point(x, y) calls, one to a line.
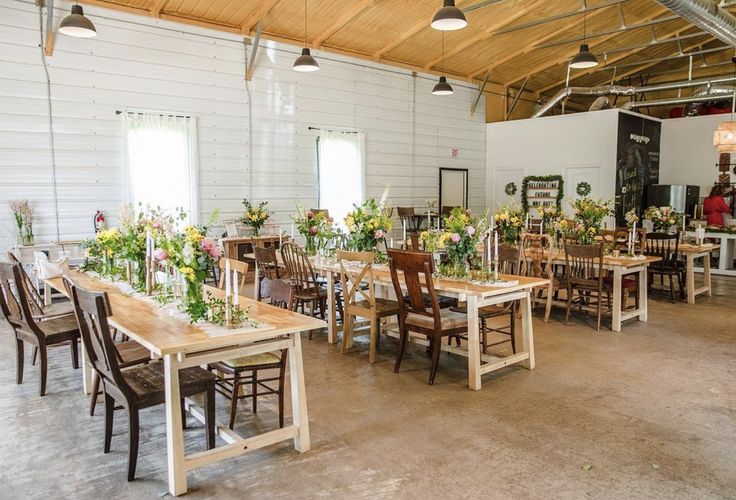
point(692, 252)
point(183, 345)
point(475, 295)
point(620, 267)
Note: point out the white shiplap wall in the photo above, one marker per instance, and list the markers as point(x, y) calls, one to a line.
point(252, 141)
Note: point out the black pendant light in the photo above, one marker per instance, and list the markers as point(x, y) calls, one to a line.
point(442, 87)
point(305, 62)
point(584, 59)
point(77, 25)
point(449, 17)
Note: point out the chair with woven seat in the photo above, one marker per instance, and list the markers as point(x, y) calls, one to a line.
point(306, 288)
point(16, 307)
point(138, 387)
point(666, 247)
point(509, 262)
point(360, 300)
point(585, 275)
point(414, 315)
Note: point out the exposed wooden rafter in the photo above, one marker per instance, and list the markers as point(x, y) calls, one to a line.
point(156, 7)
point(263, 9)
point(356, 8)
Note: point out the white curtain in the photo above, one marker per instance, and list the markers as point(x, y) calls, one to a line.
point(341, 172)
point(161, 161)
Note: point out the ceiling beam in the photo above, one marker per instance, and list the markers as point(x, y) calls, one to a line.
point(263, 8)
point(566, 57)
point(487, 33)
point(529, 47)
point(156, 7)
point(357, 7)
point(611, 63)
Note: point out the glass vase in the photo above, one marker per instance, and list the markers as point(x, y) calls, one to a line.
point(311, 246)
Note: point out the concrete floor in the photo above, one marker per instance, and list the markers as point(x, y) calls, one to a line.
point(648, 413)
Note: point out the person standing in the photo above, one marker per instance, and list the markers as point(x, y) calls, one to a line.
point(714, 206)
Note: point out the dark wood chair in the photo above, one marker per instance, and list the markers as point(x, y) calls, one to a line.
point(412, 242)
point(509, 262)
point(408, 218)
point(16, 307)
point(618, 239)
point(666, 247)
point(138, 387)
point(585, 275)
point(39, 308)
point(306, 288)
point(537, 258)
point(360, 300)
point(414, 315)
point(267, 265)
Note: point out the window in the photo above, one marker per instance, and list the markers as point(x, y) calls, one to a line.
point(340, 158)
point(161, 161)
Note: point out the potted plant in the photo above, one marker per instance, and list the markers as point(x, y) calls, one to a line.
point(462, 231)
point(23, 214)
point(510, 221)
point(589, 215)
point(367, 225)
point(255, 216)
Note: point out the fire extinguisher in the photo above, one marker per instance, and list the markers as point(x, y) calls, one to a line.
point(99, 221)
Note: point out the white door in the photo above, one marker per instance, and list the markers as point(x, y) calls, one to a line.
point(574, 176)
point(502, 177)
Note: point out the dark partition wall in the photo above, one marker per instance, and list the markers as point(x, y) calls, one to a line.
point(637, 162)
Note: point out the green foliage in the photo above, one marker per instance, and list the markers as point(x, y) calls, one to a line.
point(546, 178)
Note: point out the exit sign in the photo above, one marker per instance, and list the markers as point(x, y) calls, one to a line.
point(454, 152)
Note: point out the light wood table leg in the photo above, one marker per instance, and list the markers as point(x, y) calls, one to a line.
point(617, 278)
point(331, 310)
point(690, 278)
point(86, 371)
point(174, 433)
point(527, 331)
point(46, 294)
point(643, 295)
point(256, 283)
point(473, 345)
point(298, 395)
point(706, 273)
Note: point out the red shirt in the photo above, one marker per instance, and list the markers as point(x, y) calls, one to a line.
point(714, 207)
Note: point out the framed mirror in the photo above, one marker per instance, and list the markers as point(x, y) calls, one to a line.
point(453, 188)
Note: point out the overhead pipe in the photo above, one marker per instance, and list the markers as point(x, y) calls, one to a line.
point(677, 100)
point(706, 15)
point(619, 90)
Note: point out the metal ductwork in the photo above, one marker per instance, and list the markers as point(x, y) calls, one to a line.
point(617, 90)
point(706, 95)
point(706, 15)
point(718, 92)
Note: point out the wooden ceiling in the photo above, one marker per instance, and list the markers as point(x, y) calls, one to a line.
point(513, 40)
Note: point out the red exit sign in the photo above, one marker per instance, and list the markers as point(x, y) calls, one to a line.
point(454, 152)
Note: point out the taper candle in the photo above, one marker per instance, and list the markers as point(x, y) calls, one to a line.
point(236, 295)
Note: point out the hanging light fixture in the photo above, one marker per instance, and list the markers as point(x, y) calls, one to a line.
point(305, 62)
point(724, 138)
point(449, 17)
point(584, 59)
point(77, 25)
point(442, 87)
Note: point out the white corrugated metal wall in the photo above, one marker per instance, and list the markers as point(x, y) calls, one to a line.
point(146, 64)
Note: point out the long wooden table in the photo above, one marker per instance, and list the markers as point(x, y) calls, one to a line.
point(692, 252)
point(182, 345)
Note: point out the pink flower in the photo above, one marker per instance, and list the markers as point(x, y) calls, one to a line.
point(330, 220)
point(470, 230)
point(378, 234)
point(160, 254)
point(209, 247)
point(455, 237)
point(313, 230)
point(310, 215)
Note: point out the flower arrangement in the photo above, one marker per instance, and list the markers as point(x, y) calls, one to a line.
point(368, 224)
point(631, 217)
point(255, 216)
point(589, 215)
point(663, 218)
point(23, 214)
point(317, 228)
point(550, 217)
point(101, 252)
point(509, 221)
point(434, 240)
point(462, 231)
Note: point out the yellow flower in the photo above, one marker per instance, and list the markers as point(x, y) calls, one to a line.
point(187, 272)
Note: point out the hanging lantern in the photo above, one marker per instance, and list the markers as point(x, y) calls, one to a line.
point(724, 138)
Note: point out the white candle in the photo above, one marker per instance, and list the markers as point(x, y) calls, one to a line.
point(391, 244)
point(429, 219)
point(149, 252)
point(541, 227)
point(527, 220)
point(281, 236)
point(227, 278)
point(488, 249)
point(292, 231)
point(683, 222)
point(403, 226)
point(495, 244)
point(236, 296)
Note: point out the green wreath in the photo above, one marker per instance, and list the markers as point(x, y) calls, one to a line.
point(510, 189)
point(583, 189)
point(548, 178)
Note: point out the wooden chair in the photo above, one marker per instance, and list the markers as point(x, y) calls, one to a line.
point(665, 246)
point(537, 257)
point(408, 218)
point(412, 242)
point(306, 288)
point(235, 265)
point(509, 262)
point(361, 301)
point(268, 270)
point(584, 271)
point(129, 352)
point(316, 211)
point(16, 307)
point(433, 322)
point(38, 306)
point(138, 387)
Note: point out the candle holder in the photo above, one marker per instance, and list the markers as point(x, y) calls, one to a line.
point(129, 272)
point(229, 312)
point(495, 269)
point(149, 276)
